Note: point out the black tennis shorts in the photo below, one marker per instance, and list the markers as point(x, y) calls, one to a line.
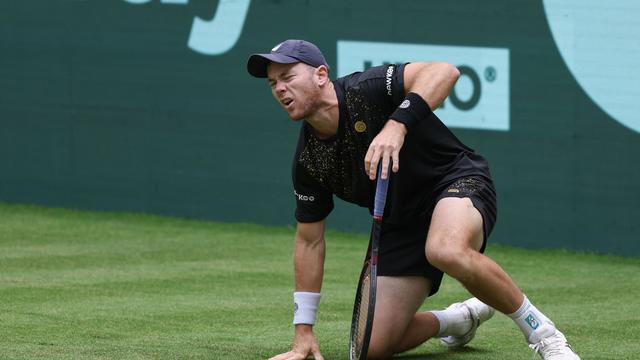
point(402, 246)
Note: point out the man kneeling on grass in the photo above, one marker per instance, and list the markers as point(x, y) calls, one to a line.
point(441, 212)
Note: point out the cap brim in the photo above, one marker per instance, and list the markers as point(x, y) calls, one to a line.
point(257, 64)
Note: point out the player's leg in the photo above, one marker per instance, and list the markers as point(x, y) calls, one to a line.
point(405, 280)
point(397, 301)
point(453, 243)
point(398, 327)
point(456, 235)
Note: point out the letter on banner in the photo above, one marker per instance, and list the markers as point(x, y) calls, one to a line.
point(220, 34)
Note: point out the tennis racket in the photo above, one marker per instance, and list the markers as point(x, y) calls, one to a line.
point(365, 303)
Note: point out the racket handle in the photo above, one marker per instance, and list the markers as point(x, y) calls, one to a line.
point(381, 195)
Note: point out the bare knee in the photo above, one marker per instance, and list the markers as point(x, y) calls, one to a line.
point(381, 344)
point(454, 260)
point(379, 350)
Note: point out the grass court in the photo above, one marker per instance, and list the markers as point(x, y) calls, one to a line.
point(94, 285)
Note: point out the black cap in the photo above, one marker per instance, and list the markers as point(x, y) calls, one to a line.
point(287, 52)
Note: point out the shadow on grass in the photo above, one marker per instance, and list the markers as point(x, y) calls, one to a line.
point(450, 354)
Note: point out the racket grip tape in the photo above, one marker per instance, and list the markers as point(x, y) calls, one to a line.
point(381, 195)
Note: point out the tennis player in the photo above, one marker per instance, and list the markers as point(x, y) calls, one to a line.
point(441, 208)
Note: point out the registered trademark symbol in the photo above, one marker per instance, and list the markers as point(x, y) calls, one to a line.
point(490, 73)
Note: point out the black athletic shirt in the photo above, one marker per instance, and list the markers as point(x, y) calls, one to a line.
point(431, 156)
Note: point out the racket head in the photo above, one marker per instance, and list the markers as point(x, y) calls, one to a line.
point(363, 311)
point(365, 302)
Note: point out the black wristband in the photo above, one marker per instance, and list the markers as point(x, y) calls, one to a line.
point(411, 110)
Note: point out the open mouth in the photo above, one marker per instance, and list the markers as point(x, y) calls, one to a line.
point(286, 102)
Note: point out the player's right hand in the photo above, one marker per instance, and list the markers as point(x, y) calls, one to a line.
point(304, 344)
point(385, 148)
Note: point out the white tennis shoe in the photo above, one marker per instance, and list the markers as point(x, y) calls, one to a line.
point(554, 347)
point(471, 311)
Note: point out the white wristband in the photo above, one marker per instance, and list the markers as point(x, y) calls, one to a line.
point(305, 307)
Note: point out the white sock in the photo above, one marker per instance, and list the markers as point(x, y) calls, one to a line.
point(452, 322)
point(442, 319)
point(534, 325)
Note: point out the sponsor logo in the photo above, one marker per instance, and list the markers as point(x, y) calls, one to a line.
point(480, 98)
point(360, 126)
point(276, 47)
point(303, 197)
point(453, 190)
point(218, 35)
point(483, 90)
point(405, 104)
point(295, 308)
point(532, 321)
point(388, 79)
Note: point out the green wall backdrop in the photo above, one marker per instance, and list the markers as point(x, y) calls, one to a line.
point(145, 105)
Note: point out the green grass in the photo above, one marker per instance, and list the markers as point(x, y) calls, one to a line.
point(87, 285)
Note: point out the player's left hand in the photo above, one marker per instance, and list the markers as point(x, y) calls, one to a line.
point(386, 146)
point(304, 345)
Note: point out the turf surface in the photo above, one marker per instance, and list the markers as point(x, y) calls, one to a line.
point(89, 285)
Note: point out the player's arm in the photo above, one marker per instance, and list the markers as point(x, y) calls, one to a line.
point(433, 81)
point(426, 85)
point(308, 259)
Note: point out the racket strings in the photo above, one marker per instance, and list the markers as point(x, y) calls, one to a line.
point(362, 314)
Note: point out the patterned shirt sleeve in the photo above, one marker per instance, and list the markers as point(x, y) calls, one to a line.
point(384, 84)
point(313, 201)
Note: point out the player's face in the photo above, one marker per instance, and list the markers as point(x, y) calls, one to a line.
point(295, 88)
